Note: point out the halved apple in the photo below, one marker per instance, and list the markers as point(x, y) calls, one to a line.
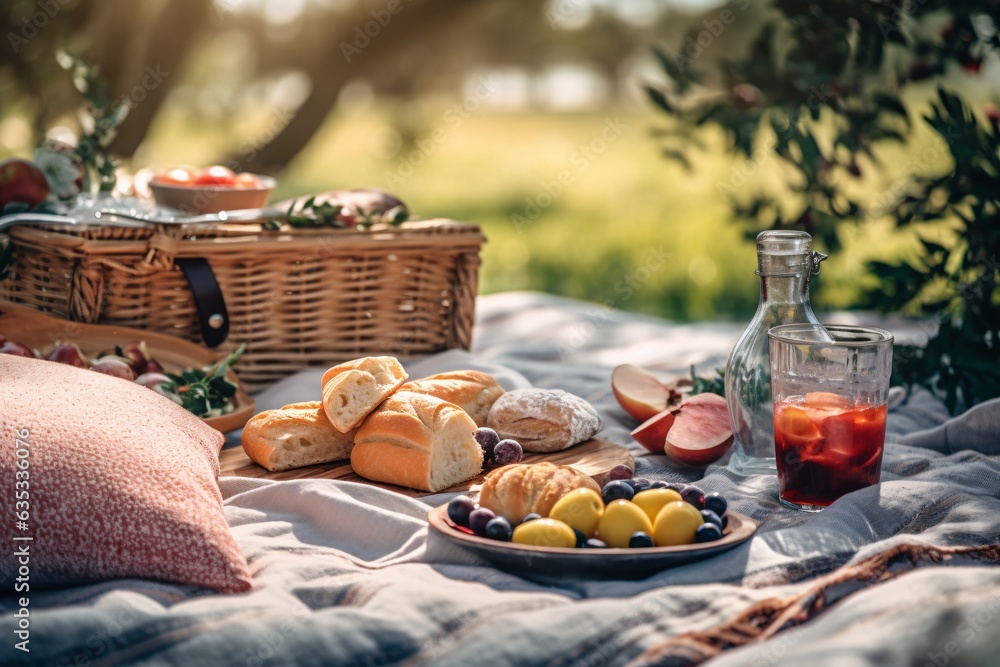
point(639, 393)
point(701, 432)
point(652, 433)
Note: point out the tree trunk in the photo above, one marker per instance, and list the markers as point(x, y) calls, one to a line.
point(331, 69)
point(145, 84)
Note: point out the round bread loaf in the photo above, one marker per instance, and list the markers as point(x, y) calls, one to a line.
point(544, 420)
point(522, 488)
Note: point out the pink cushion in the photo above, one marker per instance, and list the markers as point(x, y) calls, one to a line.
point(121, 481)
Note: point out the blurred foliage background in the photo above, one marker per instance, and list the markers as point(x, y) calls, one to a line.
point(525, 117)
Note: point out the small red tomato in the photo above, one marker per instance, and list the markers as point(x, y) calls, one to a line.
point(247, 181)
point(217, 175)
point(176, 176)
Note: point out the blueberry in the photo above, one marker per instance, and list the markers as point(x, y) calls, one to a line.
point(616, 490)
point(581, 539)
point(693, 495)
point(621, 471)
point(725, 521)
point(707, 532)
point(530, 517)
point(478, 520)
point(507, 452)
point(657, 484)
point(499, 528)
point(594, 543)
point(459, 510)
point(487, 439)
point(640, 540)
point(715, 502)
point(708, 516)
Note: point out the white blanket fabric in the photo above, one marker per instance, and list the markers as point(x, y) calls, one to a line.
point(348, 574)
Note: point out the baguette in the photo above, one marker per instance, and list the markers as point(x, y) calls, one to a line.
point(417, 441)
point(472, 391)
point(296, 435)
point(353, 389)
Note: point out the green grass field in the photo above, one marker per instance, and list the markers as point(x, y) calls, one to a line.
point(580, 205)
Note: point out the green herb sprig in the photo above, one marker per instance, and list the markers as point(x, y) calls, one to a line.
point(308, 213)
point(205, 392)
point(709, 385)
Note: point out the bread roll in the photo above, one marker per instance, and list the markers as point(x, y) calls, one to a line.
point(417, 441)
point(353, 389)
point(472, 391)
point(296, 435)
point(520, 489)
point(544, 420)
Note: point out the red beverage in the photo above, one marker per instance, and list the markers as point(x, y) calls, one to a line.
point(826, 447)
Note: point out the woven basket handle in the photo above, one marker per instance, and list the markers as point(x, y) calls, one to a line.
point(213, 317)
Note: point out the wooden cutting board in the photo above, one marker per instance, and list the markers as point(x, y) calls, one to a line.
point(594, 457)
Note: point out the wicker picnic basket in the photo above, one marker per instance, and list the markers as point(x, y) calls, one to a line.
point(298, 297)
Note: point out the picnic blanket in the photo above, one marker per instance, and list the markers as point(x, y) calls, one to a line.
point(346, 574)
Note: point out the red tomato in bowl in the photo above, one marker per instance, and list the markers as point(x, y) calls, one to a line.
point(248, 181)
point(217, 175)
point(177, 176)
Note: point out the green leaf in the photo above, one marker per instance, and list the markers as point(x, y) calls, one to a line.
point(891, 104)
point(659, 99)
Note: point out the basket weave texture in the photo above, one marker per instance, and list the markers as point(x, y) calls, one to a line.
point(300, 297)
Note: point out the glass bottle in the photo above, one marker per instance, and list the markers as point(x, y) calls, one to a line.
point(785, 263)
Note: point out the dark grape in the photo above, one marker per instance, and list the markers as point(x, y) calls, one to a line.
point(725, 521)
point(707, 532)
point(459, 510)
point(478, 520)
point(715, 502)
point(530, 517)
point(616, 490)
point(641, 484)
point(487, 439)
point(693, 495)
point(640, 540)
point(708, 516)
point(621, 471)
point(507, 452)
point(499, 528)
point(594, 543)
point(581, 539)
point(657, 484)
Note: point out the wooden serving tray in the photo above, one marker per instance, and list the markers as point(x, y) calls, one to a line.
point(594, 457)
point(39, 331)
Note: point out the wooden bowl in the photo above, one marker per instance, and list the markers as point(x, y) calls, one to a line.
point(199, 199)
point(557, 563)
point(39, 331)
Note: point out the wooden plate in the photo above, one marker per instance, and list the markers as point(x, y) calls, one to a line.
point(39, 331)
point(595, 458)
point(550, 562)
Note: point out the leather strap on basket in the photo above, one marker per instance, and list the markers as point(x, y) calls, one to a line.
point(213, 318)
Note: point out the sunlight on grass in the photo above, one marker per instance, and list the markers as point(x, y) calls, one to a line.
point(578, 205)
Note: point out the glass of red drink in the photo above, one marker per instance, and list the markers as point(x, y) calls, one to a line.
point(829, 386)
